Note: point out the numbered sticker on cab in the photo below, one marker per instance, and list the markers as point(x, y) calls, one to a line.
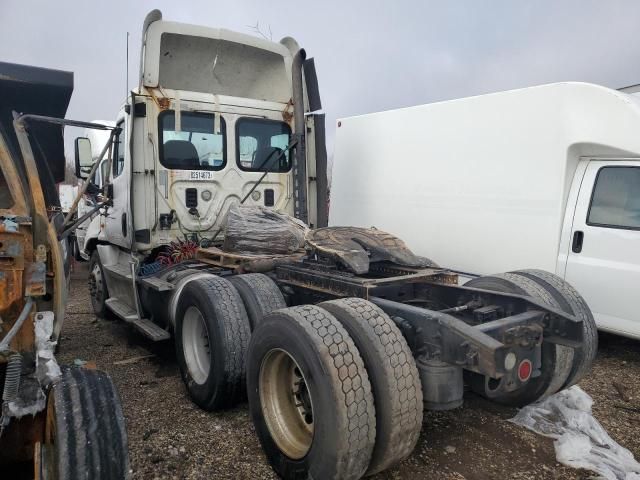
point(201, 175)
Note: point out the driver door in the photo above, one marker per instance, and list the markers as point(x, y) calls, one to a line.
point(116, 220)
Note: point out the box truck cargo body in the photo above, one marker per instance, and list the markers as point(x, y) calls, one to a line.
point(547, 176)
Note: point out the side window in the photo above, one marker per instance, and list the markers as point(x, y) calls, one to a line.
point(196, 146)
point(262, 145)
point(615, 202)
point(120, 146)
point(104, 173)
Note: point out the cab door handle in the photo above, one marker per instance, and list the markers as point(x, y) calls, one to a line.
point(576, 245)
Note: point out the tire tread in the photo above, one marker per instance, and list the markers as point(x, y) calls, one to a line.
point(234, 323)
point(261, 289)
point(572, 302)
point(91, 439)
point(345, 368)
point(398, 389)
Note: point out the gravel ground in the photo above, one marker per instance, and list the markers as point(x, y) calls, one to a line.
point(169, 437)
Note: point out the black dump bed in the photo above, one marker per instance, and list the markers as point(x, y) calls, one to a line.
point(40, 91)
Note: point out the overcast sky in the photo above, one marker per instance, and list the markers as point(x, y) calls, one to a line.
point(370, 55)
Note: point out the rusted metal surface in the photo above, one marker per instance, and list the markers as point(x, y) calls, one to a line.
point(35, 279)
point(14, 183)
point(287, 113)
point(19, 437)
point(162, 102)
point(344, 284)
point(14, 247)
point(43, 234)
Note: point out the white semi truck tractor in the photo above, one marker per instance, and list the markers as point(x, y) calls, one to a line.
point(213, 233)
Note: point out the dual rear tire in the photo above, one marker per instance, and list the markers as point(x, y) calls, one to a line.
point(212, 333)
point(561, 366)
point(333, 390)
point(214, 320)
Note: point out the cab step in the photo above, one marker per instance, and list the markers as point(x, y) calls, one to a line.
point(157, 284)
point(120, 270)
point(145, 326)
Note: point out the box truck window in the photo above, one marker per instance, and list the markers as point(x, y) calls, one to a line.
point(260, 145)
point(196, 146)
point(616, 198)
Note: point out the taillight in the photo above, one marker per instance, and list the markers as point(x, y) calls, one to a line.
point(524, 370)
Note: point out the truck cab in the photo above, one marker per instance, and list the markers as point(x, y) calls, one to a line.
point(218, 118)
point(212, 112)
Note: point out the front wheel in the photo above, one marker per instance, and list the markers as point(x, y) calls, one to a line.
point(309, 396)
point(98, 286)
point(85, 435)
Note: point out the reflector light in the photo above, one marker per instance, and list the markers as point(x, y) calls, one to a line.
point(524, 370)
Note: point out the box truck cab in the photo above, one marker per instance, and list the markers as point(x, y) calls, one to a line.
point(545, 177)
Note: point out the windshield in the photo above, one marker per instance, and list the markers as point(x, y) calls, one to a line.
point(262, 145)
point(196, 146)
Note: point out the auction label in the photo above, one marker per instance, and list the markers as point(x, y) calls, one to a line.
point(201, 175)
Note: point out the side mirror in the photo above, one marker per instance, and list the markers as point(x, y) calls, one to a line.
point(84, 157)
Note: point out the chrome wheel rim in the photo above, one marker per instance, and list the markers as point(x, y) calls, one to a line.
point(286, 403)
point(195, 345)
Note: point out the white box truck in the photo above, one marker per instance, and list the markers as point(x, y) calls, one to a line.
point(547, 176)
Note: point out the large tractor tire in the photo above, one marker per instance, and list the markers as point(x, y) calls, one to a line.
point(556, 359)
point(85, 435)
point(397, 390)
point(260, 295)
point(570, 301)
point(212, 335)
point(309, 396)
point(98, 287)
